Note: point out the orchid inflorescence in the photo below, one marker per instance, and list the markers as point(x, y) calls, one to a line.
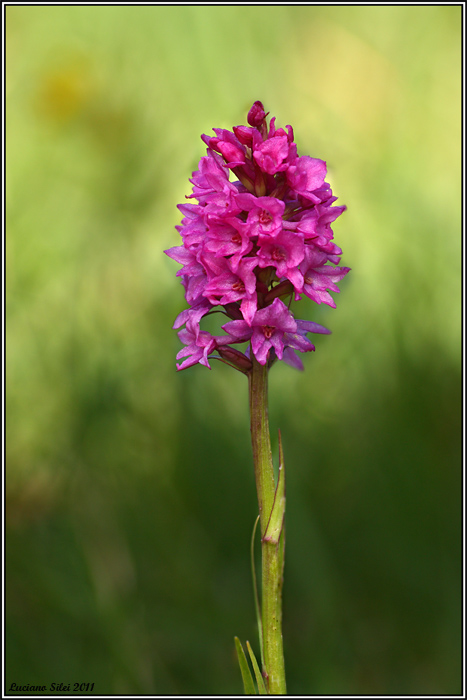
point(254, 244)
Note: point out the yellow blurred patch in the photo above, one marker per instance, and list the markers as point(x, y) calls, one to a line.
point(65, 91)
point(346, 75)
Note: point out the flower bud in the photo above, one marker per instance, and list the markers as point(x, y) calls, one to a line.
point(256, 114)
point(235, 357)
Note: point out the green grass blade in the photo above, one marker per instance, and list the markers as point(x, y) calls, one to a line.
point(259, 678)
point(248, 683)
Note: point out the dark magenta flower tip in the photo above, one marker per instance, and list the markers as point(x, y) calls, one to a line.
point(256, 114)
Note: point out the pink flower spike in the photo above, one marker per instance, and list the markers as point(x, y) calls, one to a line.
point(257, 234)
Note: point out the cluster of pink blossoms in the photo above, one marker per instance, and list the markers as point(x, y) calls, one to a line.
point(252, 245)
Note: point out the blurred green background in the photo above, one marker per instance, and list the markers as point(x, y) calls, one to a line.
point(130, 495)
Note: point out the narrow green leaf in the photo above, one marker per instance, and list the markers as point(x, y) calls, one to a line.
point(255, 590)
point(248, 682)
point(276, 519)
point(259, 678)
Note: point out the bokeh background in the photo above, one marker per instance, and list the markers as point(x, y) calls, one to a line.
point(130, 495)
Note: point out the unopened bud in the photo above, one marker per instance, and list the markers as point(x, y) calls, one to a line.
point(244, 134)
point(235, 357)
point(256, 114)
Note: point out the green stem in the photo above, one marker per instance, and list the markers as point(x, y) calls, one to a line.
point(272, 551)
